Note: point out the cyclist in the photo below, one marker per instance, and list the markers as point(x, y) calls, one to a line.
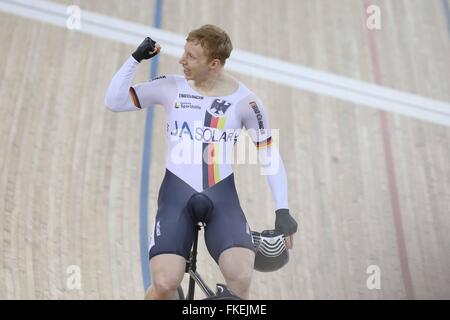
point(206, 109)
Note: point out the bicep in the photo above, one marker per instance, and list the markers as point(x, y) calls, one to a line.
point(254, 118)
point(157, 91)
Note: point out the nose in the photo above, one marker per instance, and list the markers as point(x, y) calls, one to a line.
point(182, 60)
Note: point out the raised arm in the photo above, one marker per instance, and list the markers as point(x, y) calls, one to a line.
point(121, 96)
point(118, 97)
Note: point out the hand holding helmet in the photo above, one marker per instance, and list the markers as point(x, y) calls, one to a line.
point(285, 224)
point(271, 246)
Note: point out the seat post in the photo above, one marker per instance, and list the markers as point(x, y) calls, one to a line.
point(194, 247)
point(192, 264)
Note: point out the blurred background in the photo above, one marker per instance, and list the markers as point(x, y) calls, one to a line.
point(360, 93)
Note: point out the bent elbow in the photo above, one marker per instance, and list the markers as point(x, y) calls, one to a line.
point(110, 105)
point(111, 108)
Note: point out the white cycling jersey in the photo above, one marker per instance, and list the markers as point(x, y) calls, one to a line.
point(202, 130)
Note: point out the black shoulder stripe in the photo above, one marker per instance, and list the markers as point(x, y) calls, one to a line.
point(158, 77)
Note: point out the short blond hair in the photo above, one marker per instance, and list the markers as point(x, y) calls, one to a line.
point(214, 41)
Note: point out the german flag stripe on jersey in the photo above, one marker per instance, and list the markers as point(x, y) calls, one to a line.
point(214, 122)
point(211, 173)
point(205, 165)
point(264, 143)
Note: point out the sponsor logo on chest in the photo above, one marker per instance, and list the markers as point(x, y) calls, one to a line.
point(202, 134)
point(186, 105)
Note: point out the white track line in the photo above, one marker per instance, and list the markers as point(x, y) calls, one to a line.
point(296, 76)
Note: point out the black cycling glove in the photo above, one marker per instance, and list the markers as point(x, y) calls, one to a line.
point(144, 51)
point(285, 223)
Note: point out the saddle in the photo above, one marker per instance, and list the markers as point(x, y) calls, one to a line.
point(200, 208)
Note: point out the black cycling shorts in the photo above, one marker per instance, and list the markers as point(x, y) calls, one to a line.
point(173, 230)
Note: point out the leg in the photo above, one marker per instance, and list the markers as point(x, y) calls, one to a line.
point(167, 274)
point(171, 238)
point(236, 265)
point(228, 237)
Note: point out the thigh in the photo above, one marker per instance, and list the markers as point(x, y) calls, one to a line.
point(227, 230)
point(173, 229)
point(227, 227)
point(173, 232)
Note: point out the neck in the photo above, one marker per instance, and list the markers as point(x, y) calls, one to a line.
point(210, 82)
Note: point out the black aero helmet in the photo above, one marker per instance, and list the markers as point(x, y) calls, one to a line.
point(271, 251)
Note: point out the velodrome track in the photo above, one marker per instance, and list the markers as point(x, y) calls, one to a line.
point(364, 119)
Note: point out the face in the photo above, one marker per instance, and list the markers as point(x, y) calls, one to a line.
point(195, 62)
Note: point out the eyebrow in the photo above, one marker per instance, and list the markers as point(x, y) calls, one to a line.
point(190, 52)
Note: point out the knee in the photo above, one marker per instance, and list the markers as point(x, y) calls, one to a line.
point(238, 275)
point(165, 285)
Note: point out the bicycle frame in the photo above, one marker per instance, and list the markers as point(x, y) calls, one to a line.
point(191, 269)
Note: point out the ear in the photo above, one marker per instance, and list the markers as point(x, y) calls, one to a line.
point(215, 63)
